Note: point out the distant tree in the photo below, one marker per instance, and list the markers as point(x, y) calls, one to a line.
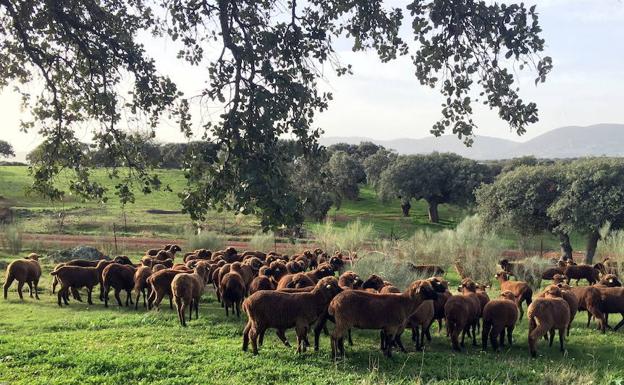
point(520, 200)
point(346, 173)
point(511, 164)
point(367, 149)
point(593, 197)
point(350, 149)
point(437, 178)
point(312, 184)
point(375, 164)
point(6, 149)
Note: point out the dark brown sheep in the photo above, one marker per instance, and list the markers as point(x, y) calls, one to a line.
point(420, 322)
point(350, 280)
point(187, 290)
point(612, 301)
point(547, 315)
point(441, 287)
point(521, 290)
point(579, 272)
point(609, 280)
point(75, 277)
point(24, 271)
point(589, 299)
point(295, 281)
point(499, 315)
point(118, 277)
point(293, 267)
point(386, 312)
point(140, 285)
point(160, 283)
point(425, 270)
point(374, 282)
point(232, 288)
point(551, 272)
point(261, 282)
point(281, 311)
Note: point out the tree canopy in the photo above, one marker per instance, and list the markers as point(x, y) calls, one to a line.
point(437, 178)
point(79, 62)
point(6, 149)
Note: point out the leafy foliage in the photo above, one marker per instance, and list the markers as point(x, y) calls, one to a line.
point(6, 149)
point(375, 164)
point(264, 62)
point(346, 173)
point(437, 178)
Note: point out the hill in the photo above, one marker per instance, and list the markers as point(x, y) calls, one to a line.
point(563, 142)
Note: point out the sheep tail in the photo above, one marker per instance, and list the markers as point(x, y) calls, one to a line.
point(54, 272)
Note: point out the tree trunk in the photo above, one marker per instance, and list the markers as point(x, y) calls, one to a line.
point(405, 207)
point(566, 247)
point(592, 243)
point(433, 212)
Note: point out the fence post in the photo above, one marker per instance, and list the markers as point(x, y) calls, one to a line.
point(115, 237)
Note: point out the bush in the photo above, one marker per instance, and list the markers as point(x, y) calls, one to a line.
point(12, 239)
point(533, 269)
point(349, 240)
point(262, 241)
point(388, 268)
point(206, 240)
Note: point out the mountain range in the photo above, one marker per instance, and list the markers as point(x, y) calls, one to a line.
point(563, 142)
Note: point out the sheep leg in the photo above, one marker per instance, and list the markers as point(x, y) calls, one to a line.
point(619, 325)
point(30, 289)
point(399, 343)
point(36, 285)
point(196, 302)
point(74, 292)
point(485, 332)
point(237, 309)
point(474, 334)
point(389, 340)
point(423, 332)
point(20, 286)
point(428, 330)
point(7, 284)
point(54, 283)
point(561, 339)
point(170, 301)
point(282, 336)
point(89, 295)
point(535, 332)
point(136, 303)
point(246, 336)
point(117, 291)
point(510, 335)
point(191, 310)
point(320, 324)
point(253, 336)
point(349, 337)
point(301, 336)
point(551, 338)
point(226, 309)
point(181, 308)
point(60, 295)
point(128, 297)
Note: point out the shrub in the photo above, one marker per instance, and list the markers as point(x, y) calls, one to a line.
point(349, 240)
point(262, 241)
point(12, 238)
point(533, 269)
point(206, 240)
point(385, 266)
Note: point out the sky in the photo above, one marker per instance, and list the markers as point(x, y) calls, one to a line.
point(585, 38)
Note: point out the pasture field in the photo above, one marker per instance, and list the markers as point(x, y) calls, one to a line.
point(158, 214)
point(41, 343)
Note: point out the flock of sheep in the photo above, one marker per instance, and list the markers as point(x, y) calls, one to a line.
point(302, 292)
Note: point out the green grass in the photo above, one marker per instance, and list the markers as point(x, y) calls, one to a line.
point(80, 344)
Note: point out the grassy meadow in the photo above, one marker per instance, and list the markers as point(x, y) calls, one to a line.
point(41, 343)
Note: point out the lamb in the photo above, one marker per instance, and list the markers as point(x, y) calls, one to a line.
point(350, 280)
point(281, 311)
point(25, 270)
point(141, 285)
point(499, 315)
point(187, 290)
point(119, 277)
point(420, 322)
point(75, 277)
point(425, 270)
point(521, 290)
point(462, 313)
point(579, 272)
point(232, 288)
point(102, 264)
point(545, 315)
point(386, 312)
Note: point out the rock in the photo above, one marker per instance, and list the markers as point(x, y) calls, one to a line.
point(79, 252)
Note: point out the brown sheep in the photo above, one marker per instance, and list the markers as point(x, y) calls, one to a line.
point(293, 267)
point(321, 271)
point(26, 271)
point(280, 310)
point(119, 277)
point(425, 270)
point(278, 270)
point(160, 283)
point(245, 271)
point(350, 280)
point(295, 281)
point(579, 272)
point(441, 287)
point(545, 315)
point(612, 301)
point(389, 289)
point(568, 296)
point(141, 285)
point(559, 278)
point(75, 277)
point(158, 267)
point(609, 280)
point(462, 314)
point(187, 290)
point(374, 282)
point(261, 282)
point(551, 272)
point(232, 288)
point(521, 290)
point(499, 315)
point(420, 322)
point(589, 299)
point(386, 312)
